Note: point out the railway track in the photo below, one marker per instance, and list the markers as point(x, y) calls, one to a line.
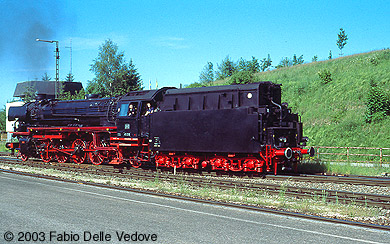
point(357, 180)
point(209, 180)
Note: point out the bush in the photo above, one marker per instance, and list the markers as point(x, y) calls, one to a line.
point(378, 104)
point(325, 76)
point(195, 84)
point(241, 77)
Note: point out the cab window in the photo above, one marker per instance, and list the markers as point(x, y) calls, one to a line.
point(132, 109)
point(148, 108)
point(123, 109)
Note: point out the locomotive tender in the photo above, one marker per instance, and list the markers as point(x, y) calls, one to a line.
point(241, 128)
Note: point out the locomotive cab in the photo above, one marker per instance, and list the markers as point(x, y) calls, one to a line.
point(135, 110)
point(127, 119)
point(133, 119)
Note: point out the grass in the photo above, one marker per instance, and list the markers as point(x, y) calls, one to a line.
point(341, 168)
point(317, 205)
point(351, 169)
point(2, 147)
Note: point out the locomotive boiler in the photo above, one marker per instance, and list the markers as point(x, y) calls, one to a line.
point(240, 128)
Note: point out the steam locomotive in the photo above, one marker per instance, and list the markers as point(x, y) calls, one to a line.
point(240, 128)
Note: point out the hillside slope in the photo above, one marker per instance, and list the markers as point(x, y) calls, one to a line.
point(334, 113)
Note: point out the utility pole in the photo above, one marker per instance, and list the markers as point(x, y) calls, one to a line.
point(57, 63)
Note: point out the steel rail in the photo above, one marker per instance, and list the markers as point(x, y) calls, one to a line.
point(357, 180)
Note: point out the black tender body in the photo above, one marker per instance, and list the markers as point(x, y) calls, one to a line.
point(226, 119)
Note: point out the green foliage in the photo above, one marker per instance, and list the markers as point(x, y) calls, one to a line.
point(287, 62)
point(29, 94)
point(252, 66)
point(113, 75)
point(352, 169)
point(341, 40)
point(95, 87)
point(244, 69)
point(378, 104)
point(196, 84)
point(2, 119)
point(226, 68)
point(325, 76)
point(315, 58)
point(296, 60)
point(207, 75)
point(241, 77)
point(266, 63)
point(330, 54)
point(68, 96)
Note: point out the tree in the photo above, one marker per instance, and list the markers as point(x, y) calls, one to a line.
point(29, 94)
point(330, 54)
point(241, 77)
point(113, 75)
point(266, 63)
point(63, 95)
point(207, 75)
point(2, 119)
point(226, 69)
point(341, 40)
point(69, 78)
point(315, 58)
point(243, 65)
point(46, 77)
point(251, 66)
point(68, 96)
point(94, 87)
point(285, 62)
point(296, 60)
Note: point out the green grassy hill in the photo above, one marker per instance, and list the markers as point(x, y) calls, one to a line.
point(334, 113)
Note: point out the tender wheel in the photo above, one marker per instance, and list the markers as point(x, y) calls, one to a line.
point(162, 161)
point(95, 156)
point(78, 155)
point(190, 162)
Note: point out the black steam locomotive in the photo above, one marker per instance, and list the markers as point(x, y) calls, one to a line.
point(242, 128)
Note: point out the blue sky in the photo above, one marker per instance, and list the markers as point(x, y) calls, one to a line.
point(171, 41)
